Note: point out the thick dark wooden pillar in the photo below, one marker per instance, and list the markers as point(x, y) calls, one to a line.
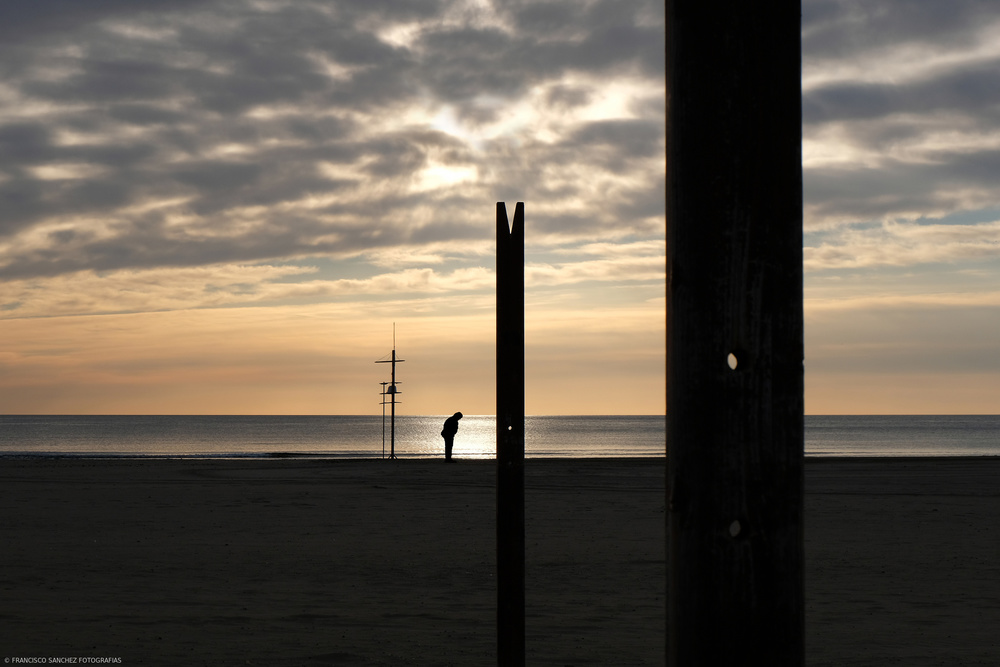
point(510, 437)
point(734, 333)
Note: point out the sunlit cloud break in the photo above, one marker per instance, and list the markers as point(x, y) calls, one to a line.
point(234, 168)
point(236, 164)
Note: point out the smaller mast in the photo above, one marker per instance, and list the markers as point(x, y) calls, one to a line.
point(383, 417)
point(391, 392)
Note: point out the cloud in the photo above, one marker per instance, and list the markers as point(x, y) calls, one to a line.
point(905, 244)
point(900, 109)
point(641, 269)
point(213, 205)
point(217, 286)
point(278, 129)
point(639, 262)
point(24, 20)
point(847, 30)
point(901, 137)
point(226, 285)
point(969, 90)
point(842, 305)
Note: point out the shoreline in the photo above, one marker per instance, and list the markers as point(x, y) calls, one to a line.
point(263, 456)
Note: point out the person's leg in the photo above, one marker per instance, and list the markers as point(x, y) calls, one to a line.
point(448, 444)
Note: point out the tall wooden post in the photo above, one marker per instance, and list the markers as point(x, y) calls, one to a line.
point(734, 333)
point(510, 437)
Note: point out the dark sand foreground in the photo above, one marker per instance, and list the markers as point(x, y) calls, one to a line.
point(302, 562)
point(903, 562)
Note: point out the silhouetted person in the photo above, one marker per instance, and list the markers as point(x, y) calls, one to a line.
point(448, 433)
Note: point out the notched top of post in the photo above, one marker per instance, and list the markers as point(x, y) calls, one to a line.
point(515, 230)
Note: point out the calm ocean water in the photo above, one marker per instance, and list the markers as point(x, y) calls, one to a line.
point(418, 437)
point(331, 436)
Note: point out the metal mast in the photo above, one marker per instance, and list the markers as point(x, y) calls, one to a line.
point(383, 417)
point(391, 391)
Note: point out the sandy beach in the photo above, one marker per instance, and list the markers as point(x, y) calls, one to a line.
point(298, 562)
point(902, 561)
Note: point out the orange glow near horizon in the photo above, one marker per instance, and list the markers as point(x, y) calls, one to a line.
point(320, 360)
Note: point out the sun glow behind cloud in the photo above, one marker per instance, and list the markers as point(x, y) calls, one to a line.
point(201, 197)
point(224, 208)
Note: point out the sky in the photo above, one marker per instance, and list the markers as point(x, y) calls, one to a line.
point(226, 206)
point(901, 160)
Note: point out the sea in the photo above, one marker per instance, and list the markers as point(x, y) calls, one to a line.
point(162, 436)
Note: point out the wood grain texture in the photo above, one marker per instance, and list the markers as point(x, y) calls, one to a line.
point(734, 333)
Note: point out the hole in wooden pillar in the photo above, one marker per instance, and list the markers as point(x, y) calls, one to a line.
point(732, 361)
